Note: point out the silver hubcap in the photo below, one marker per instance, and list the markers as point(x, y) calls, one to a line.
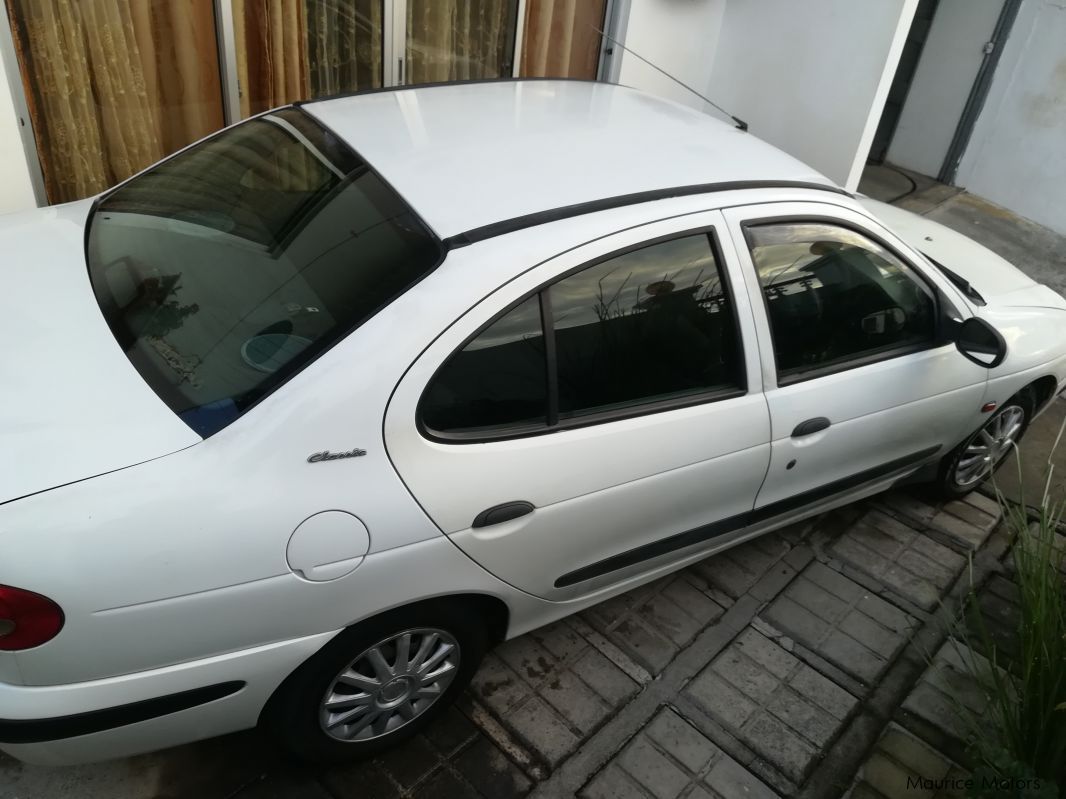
point(389, 685)
point(992, 444)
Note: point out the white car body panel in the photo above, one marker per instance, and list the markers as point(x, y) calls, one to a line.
point(73, 405)
point(619, 477)
point(168, 553)
point(542, 145)
point(885, 411)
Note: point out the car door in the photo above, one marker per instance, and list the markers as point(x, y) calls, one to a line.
point(596, 418)
point(861, 378)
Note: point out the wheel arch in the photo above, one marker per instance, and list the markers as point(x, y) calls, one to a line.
point(1042, 390)
point(496, 614)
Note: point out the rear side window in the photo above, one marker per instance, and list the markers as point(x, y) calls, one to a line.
point(226, 269)
point(644, 330)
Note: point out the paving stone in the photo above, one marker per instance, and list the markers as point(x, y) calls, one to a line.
point(729, 780)
point(906, 504)
point(779, 744)
point(720, 699)
point(575, 701)
point(410, 763)
point(900, 766)
point(535, 722)
point(359, 781)
point(451, 731)
point(613, 783)
point(961, 531)
point(551, 690)
point(920, 570)
point(947, 696)
point(445, 785)
point(283, 787)
point(651, 624)
point(774, 703)
point(736, 570)
point(653, 770)
point(670, 758)
point(683, 741)
point(486, 768)
point(840, 621)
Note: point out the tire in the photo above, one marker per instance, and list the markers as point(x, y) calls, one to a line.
point(296, 715)
point(954, 479)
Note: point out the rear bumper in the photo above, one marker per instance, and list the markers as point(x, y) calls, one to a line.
point(142, 712)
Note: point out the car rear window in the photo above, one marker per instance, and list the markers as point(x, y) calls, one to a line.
point(227, 268)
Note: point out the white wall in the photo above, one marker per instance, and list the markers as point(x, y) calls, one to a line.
point(810, 76)
point(16, 190)
point(1017, 153)
point(679, 36)
point(950, 59)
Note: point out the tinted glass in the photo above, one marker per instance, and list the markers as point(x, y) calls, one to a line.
point(649, 325)
point(834, 295)
point(498, 380)
point(225, 269)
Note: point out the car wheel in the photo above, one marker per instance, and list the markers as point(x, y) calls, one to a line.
point(377, 683)
point(968, 465)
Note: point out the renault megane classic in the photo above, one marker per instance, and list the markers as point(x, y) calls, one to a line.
point(299, 421)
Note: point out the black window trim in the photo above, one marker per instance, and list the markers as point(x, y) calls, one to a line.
point(939, 338)
point(284, 376)
point(631, 411)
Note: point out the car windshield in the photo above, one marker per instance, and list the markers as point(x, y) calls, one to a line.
point(227, 268)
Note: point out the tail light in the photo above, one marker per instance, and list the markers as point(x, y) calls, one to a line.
point(27, 619)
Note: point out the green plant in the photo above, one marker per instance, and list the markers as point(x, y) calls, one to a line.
point(1022, 733)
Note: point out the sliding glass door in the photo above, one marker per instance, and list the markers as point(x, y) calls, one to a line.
point(290, 50)
point(458, 40)
point(562, 38)
point(112, 86)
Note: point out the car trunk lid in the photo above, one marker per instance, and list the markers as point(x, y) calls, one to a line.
point(71, 404)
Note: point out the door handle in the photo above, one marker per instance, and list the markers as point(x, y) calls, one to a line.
point(811, 426)
point(498, 514)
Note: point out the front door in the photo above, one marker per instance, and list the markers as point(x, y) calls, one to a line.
point(862, 383)
point(595, 419)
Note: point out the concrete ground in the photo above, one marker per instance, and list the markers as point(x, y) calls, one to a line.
point(797, 665)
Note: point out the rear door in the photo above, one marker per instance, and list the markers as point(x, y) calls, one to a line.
point(862, 382)
point(595, 419)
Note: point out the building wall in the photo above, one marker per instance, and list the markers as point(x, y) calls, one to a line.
point(811, 77)
point(946, 72)
point(679, 36)
point(16, 191)
point(1017, 154)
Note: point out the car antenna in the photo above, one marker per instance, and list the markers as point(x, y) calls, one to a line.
point(741, 124)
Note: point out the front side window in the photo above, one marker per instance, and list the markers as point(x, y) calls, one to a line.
point(649, 326)
point(834, 296)
point(227, 268)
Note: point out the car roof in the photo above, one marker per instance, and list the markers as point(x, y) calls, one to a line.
point(470, 157)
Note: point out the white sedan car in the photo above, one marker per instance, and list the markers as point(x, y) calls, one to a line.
point(299, 421)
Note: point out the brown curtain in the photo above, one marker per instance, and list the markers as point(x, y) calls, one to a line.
point(561, 38)
point(344, 45)
point(271, 53)
point(114, 85)
point(457, 39)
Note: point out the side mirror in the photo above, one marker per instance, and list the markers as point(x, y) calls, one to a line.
point(981, 343)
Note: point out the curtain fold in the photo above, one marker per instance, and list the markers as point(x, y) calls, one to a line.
point(114, 85)
point(272, 53)
point(561, 38)
point(344, 45)
point(457, 39)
